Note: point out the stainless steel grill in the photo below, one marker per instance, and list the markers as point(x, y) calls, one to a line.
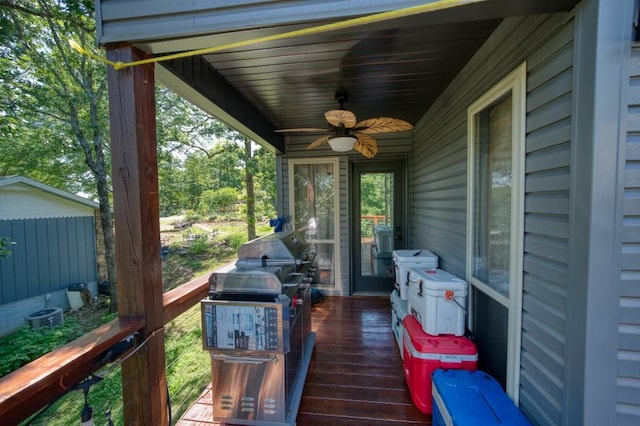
point(257, 326)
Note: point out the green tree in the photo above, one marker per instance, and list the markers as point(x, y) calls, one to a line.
point(54, 103)
point(264, 173)
point(218, 200)
point(249, 186)
point(193, 153)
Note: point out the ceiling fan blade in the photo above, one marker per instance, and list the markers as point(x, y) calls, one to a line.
point(303, 129)
point(318, 142)
point(383, 125)
point(340, 117)
point(366, 145)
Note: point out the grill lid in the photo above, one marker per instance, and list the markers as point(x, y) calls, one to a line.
point(246, 281)
point(278, 248)
point(269, 265)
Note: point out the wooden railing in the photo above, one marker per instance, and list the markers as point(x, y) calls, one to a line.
point(374, 217)
point(31, 387)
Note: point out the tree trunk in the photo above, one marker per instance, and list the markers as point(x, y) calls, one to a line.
point(106, 222)
point(251, 198)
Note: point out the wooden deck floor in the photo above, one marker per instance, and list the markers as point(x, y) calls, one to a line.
point(355, 376)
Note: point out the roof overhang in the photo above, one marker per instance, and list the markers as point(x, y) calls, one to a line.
point(392, 67)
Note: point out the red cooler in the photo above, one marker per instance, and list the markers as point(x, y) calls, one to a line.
point(424, 353)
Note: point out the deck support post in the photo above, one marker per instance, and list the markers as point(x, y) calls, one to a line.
point(137, 232)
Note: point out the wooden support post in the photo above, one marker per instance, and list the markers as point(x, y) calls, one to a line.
point(136, 213)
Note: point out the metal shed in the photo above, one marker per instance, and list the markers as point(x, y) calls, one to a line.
point(53, 239)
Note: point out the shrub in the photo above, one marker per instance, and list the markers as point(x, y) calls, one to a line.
point(218, 200)
point(199, 245)
point(235, 240)
point(191, 216)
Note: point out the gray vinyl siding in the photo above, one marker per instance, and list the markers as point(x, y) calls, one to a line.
point(547, 177)
point(439, 185)
point(139, 20)
point(343, 286)
point(48, 255)
point(628, 395)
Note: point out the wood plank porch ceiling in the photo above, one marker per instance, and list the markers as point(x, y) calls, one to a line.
point(394, 68)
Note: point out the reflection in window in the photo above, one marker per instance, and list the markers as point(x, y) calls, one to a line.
point(492, 196)
point(376, 219)
point(314, 200)
point(314, 214)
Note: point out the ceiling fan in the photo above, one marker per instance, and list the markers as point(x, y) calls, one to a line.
point(346, 133)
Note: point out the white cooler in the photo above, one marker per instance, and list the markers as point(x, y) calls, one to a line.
point(437, 300)
point(383, 238)
point(398, 312)
point(406, 259)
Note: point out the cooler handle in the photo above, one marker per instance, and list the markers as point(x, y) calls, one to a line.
point(408, 275)
point(451, 361)
point(420, 281)
point(450, 296)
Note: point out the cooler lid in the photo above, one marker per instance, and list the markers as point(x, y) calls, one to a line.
point(382, 229)
point(475, 396)
point(446, 344)
point(436, 279)
point(415, 256)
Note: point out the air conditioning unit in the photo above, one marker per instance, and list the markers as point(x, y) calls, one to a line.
point(45, 318)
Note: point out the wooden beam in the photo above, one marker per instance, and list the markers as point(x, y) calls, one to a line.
point(180, 299)
point(137, 236)
point(31, 387)
point(229, 105)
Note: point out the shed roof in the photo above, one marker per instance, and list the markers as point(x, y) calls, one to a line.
point(24, 198)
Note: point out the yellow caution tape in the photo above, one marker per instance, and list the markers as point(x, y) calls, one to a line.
point(378, 17)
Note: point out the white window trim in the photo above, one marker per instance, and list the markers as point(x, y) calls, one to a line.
point(335, 162)
point(515, 83)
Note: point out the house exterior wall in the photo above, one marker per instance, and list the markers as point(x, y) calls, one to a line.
point(581, 206)
point(628, 359)
point(439, 183)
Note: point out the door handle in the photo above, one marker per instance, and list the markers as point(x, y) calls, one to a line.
point(234, 359)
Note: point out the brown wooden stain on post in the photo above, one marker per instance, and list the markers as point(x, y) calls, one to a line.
point(136, 213)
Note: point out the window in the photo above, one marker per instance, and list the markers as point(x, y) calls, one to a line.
point(313, 198)
point(494, 219)
point(492, 187)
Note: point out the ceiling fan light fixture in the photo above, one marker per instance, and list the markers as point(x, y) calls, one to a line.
point(342, 143)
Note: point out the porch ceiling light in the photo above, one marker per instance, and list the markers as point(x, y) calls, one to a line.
point(342, 143)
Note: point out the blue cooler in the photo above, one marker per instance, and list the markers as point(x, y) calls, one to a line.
point(462, 397)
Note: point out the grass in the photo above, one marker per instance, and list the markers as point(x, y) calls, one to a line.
point(188, 372)
point(188, 366)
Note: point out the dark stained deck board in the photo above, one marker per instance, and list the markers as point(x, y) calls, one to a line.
point(355, 377)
